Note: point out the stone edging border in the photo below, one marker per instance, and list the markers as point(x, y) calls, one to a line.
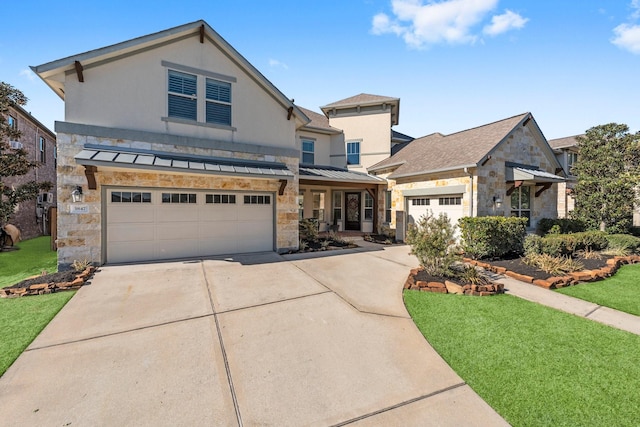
point(49, 288)
point(556, 282)
point(449, 287)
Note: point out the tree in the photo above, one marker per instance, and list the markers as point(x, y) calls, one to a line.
point(607, 171)
point(14, 162)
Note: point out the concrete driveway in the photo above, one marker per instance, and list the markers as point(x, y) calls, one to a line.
point(255, 340)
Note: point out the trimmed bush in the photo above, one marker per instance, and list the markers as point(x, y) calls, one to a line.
point(568, 244)
point(532, 245)
point(433, 242)
point(490, 237)
point(559, 226)
point(624, 241)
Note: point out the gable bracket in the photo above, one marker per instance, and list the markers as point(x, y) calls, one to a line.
point(558, 170)
point(545, 186)
point(79, 70)
point(289, 112)
point(202, 33)
point(514, 186)
point(283, 185)
point(485, 161)
point(89, 172)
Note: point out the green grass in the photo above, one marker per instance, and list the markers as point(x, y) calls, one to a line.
point(34, 256)
point(534, 365)
point(22, 319)
point(621, 291)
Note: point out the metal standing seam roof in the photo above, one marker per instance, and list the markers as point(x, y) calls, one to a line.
point(169, 161)
point(525, 174)
point(330, 173)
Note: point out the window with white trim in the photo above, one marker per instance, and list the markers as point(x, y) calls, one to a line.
point(301, 206)
point(450, 201)
point(521, 203)
point(422, 201)
point(179, 198)
point(308, 151)
point(218, 101)
point(12, 122)
point(130, 197)
point(387, 206)
point(572, 158)
point(183, 95)
point(353, 153)
point(257, 200)
point(337, 206)
point(42, 145)
point(318, 206)
point(368, 207)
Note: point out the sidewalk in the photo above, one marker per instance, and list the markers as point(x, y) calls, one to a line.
point(608, 316)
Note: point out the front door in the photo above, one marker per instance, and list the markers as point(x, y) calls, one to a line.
point(353, 211)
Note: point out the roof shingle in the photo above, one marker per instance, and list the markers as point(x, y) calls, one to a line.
point(363, 98)
point(566, 142)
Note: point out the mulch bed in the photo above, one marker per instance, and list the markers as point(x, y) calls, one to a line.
point(518, 266)
point(63, 276)
point(48, 283)
point(379, 238)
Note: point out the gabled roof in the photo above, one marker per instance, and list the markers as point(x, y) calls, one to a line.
point(400, 137)
point(53, 73)
point(566, 142)
point(437, 152)
point(361, 99)
point(366, 100)
point(318, 123)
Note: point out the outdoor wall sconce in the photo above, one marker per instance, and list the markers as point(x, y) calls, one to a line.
point(76, 195)
point(497, 201)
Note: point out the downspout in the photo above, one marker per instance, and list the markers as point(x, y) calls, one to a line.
point(466, 170)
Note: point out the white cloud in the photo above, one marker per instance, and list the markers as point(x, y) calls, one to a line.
point(28, 74)
point(275, 63)
point(627, 37)
point(635, 4)
point(446, 21)
point(505, 22)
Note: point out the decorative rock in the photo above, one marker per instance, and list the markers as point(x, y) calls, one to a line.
point(543, 283)
point(38, 286)
point(520, 277)
point(453, 288)
point(436, 285)
point(422, 284)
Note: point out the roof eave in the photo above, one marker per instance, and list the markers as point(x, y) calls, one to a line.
point(428, 172)
point(387, 166)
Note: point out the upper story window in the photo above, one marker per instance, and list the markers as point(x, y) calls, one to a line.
point(308, 148)
point(42, 145)
point(218, 102)
point(183, 95)
point(353, 153)
point(572, 158)
point(12, 122)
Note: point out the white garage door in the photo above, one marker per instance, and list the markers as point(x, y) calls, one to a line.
point(449, 204)
point(160, 224)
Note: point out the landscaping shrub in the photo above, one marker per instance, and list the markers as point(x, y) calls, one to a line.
point(568, 244)
point(559, 226)
point(555, 265)
point(492, 236)
point(433, 242)
point(532, 244)
point(308, 230)
point(624, 242)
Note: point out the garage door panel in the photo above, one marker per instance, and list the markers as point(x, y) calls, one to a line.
point(123, 214)
point(131, 232)
point(178, 230)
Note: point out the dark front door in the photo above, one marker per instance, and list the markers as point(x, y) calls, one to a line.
point(352, 201)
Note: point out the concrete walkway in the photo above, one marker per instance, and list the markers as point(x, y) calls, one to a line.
point(608, 316)
point(247, 340)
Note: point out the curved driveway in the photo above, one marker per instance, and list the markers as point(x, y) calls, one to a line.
point(250, 340)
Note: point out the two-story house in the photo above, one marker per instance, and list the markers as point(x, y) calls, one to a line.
point(32, 216)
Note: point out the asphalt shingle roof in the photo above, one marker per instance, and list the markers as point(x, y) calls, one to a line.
point(363, 98)
point(318, 121)
point(566, 142)
point(436, 152)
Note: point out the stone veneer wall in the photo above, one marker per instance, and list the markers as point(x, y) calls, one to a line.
point(80, 236)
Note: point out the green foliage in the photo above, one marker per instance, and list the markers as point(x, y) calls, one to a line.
point(470, 275)
point(559, 226)
point(308, 230)
point(625, 242)
point(492, 236)
point(433, 242)
point(554, 265)
point(568, 244)
point(34, 257)
point(14, 162)
point(607, 170)
point(532, 244)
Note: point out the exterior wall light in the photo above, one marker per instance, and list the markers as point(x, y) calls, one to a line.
point(497, 201)
point(76, 195)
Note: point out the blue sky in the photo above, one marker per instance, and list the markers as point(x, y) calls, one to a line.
point(454, 64)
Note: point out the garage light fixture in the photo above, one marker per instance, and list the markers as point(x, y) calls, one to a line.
point(76, 195)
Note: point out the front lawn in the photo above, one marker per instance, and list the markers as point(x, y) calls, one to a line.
point(534, 365)
point(22, 319)
point(34, 256)
point(620, 292)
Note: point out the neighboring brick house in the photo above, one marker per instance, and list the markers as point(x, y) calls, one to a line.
point(39, 142)
point(502, 168)
point(566, 150)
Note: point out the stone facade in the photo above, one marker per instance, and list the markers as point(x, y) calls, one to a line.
point(80, 235)
point(29, 219)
